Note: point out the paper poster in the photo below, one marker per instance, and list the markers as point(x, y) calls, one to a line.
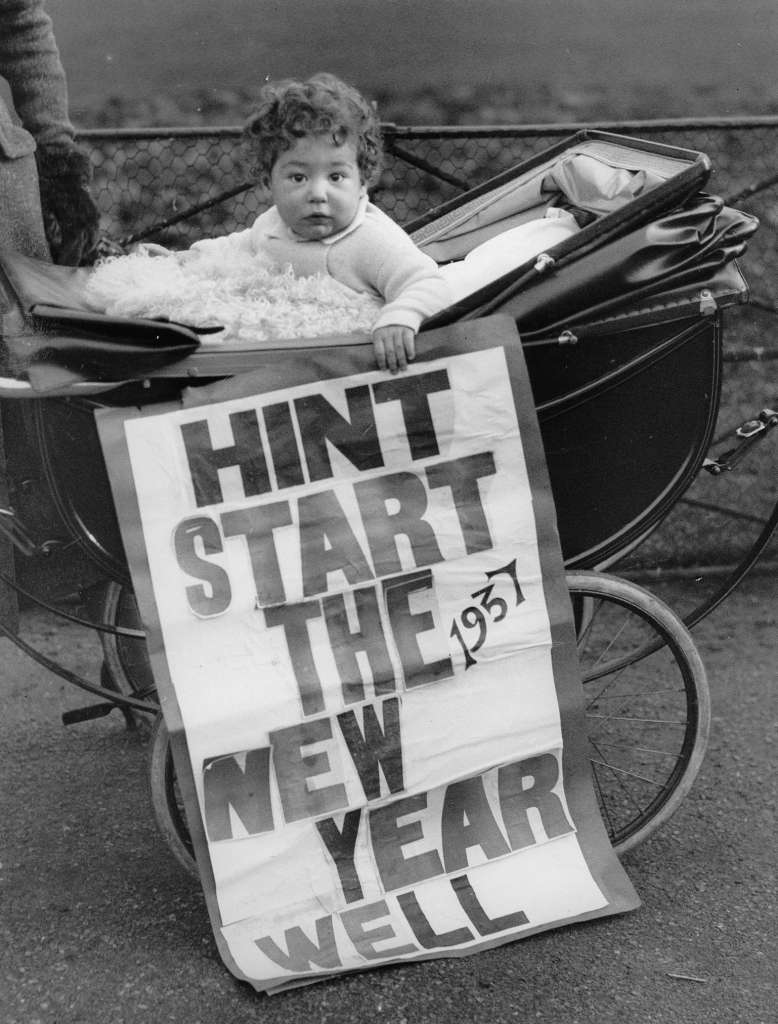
point(363, 648)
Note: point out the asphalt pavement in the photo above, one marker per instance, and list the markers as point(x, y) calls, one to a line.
point(100, 925)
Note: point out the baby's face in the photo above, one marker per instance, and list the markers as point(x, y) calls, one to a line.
point(316, 186)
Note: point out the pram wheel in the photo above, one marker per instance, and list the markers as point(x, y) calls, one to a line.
point(646, 702)
point(647, 711)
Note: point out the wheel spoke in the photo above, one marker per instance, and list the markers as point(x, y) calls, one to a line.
point(638, 749)
point(676, 692)
point(632, 775)
point(620, 782)
point(646, 721)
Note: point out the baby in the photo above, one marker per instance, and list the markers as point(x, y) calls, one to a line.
point(317, 148)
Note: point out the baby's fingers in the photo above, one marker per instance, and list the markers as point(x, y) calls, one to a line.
point(409, 344)
point(393, 345)
point(379, 351)
point(152, 249)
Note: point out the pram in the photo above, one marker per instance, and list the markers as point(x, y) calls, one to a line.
point(621, 326)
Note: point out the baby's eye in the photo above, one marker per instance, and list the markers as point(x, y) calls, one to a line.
point(298, 179)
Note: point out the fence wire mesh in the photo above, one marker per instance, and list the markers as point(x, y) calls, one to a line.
point(175, 186)
point(147, 182)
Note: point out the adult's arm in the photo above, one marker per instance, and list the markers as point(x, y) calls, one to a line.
point(30, 63)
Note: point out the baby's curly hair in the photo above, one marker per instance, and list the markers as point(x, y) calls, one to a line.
point(321, 105)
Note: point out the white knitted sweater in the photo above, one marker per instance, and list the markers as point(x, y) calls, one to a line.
point(372, 255)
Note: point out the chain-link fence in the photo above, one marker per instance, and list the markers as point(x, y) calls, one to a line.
point(175, 186)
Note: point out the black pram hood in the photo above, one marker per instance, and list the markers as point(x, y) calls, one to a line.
point(689, 248)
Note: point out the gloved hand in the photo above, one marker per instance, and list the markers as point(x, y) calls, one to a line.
point(70, 216)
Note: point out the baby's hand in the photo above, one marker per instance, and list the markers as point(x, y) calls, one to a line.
point(394, 346)
point(152, 249)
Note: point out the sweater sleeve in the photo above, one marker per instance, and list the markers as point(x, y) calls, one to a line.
point(380, 258)
point(410, 283)
point(30, 63)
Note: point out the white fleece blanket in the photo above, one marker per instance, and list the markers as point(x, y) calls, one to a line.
point(248, 299)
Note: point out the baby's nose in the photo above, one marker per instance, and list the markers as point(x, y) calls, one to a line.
point(317, 190)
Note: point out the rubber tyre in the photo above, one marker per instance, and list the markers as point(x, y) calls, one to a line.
point(166, 800)
point(646, 701)
point(126, 667)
